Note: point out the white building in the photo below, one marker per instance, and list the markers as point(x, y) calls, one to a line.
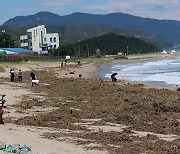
point(173, 51)
point(164, 51)
point(38, 40)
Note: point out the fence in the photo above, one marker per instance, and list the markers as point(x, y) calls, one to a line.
point(16, 57)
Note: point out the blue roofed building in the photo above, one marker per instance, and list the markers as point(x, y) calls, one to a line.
point(18, 51)
point(16, 54)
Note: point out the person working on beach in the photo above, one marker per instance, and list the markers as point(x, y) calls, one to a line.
point(20, 75)
point(34, 79)
point(177, 88)
point(79, 62)
point(61, 64)
point(2, 101)
point(113, 77)
point(65, 64)
point(12, 74)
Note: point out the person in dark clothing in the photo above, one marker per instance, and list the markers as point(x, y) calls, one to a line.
point(177, 88)
point(20, 75)
point(12, 73)
point(61, 64)
point(113, 77)
point(33, 77)
point(65, 63)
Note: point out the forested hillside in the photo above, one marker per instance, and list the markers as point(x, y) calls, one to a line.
point(112, 44)
point(107, 44)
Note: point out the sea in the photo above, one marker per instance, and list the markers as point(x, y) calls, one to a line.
point(163, 72)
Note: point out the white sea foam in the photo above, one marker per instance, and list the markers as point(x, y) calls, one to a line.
point(168, 78)
point(166, 71)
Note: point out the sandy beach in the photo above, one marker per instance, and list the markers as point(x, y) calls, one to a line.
point(31, 136)
point(72, 111)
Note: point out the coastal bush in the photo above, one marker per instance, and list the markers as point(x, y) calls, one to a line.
point(2, 69)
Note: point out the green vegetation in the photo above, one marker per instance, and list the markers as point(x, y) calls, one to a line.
point(109, 44)
point(2, 69)
point(14, 32)
point(67, 49)
point(6, 41)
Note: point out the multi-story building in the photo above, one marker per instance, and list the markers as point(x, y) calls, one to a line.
point(38, 40)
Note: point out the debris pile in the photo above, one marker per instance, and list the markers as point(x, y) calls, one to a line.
point(15, 148)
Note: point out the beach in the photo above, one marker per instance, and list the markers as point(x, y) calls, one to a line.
point(73, 111)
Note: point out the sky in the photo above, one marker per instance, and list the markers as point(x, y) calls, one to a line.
point(158, 9)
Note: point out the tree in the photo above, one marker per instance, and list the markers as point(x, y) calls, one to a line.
point(112, 43)
point(6, 41)
point(107, 44)
point(67, 49)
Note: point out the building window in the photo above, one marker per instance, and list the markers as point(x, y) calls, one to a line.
point(51, 39)
point(54, 39)
point(41, 37)
point(34, 35)
point(29, 35)
point(44, 39)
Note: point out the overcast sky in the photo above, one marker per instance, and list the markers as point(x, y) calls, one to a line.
point(159, 9)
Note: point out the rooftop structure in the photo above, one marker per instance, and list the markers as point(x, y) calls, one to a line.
point(16, 51)
point(37, 39)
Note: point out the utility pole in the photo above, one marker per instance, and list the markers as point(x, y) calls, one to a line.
point(58, 51)
point(79, 48)
point(4, 42)
point(88, 50)
point(3, 31)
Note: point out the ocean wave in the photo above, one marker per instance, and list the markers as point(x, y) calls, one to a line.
point(159, 71)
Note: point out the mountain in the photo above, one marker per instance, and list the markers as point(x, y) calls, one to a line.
point(167, 29)
point(72, 34)
point(45, 18)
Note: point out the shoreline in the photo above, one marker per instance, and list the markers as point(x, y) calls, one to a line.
point(141, 58)
point(78, 98)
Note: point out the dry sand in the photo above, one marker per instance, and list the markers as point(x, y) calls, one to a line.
point(84, 70)
point(34, 135)
point(31, 136)
point(13, 134)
